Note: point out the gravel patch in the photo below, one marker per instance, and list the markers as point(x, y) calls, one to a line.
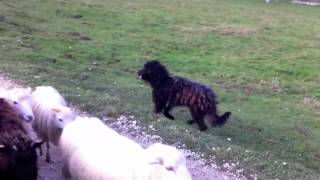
point(309, 2)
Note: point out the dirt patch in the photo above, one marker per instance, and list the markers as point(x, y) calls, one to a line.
point(76, 16)
point(221, 29)
point(8, 22)
point(313, 102)
point(78, 36)
point(68, 55)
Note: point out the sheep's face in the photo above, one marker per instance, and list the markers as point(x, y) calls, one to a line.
point(165, 155)
point(166, 162)
point(63, 115)
point(20, 99)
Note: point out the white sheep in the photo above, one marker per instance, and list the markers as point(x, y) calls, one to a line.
point(20, 99)
point(102, 153)
point(51, 115)
point(94, 151)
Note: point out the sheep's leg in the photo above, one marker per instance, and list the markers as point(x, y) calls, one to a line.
point(198, 117)
point(48, 152)
point(65, 170)
point(40, 150)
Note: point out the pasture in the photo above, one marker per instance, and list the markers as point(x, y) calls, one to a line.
point(262, 60)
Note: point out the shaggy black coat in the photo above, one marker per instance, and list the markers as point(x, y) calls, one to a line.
point(18, 158)
point(170, 91)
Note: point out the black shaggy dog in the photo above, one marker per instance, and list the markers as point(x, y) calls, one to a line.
point(170, 91)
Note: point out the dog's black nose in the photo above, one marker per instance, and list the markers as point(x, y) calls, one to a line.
point(140, 73)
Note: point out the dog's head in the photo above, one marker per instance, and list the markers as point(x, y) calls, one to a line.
point(154, 73)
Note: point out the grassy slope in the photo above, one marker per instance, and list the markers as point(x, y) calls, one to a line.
point(262, 59)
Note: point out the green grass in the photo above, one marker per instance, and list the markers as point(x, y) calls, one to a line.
point(262, 60)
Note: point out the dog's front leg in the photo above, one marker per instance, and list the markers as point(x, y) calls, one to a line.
point(158, 107)
point(159, 101)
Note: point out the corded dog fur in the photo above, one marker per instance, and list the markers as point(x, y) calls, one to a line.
point(170, 91)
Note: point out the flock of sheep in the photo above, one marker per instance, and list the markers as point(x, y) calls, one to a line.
point(91, 150)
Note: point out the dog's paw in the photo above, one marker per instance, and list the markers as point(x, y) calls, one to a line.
point(169, 116)
point(190, 121)
point(203, 128)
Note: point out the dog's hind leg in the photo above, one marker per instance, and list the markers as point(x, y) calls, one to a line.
point(198, 117)
point(166, 113)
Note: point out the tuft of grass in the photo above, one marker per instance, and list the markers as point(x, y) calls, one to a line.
point(261, 59)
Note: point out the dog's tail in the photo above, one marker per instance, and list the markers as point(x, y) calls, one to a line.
point(217, 120)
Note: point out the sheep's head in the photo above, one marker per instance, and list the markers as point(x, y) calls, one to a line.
point(167, 156)
point(166, 162)
point(63, 115)
point(20, 99)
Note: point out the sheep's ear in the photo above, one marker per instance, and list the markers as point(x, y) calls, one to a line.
point(57, 110)
point(29, 90)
